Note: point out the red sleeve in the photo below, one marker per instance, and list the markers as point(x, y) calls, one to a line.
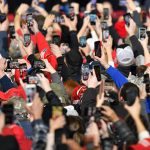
point(45, 50)
point(148, 65)
point(19, 32)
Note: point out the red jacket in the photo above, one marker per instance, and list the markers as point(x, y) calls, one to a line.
point(43, 48)
point(18, 132)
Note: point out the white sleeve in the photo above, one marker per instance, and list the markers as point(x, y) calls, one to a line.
point(94, 36)
point(50, 141)
point(111, 63)
point(143, 135)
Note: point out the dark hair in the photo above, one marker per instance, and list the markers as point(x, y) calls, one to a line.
point(140, 70)
point(129, 92)
point(40, 21)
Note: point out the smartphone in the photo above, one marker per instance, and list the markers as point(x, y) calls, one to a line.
point(33, 80)
point(85, 70)
point(12, 64)
point(90, 146)
point(5, 1)
point(148, 88)
point(104, 25)
point(93, 19)
point(57, 111)
point(59, 19)
point(97, 72)
point(30, 90)
point(93, 3)
point(106, 13)
point(97, 46)
point(144, 17)
point(23, 66)
point(56, 40)
point(8, 110)
point(127, 18)
point(146, 78)
point(2, 17)
point(123, 3)
point(133, 70)
point(82, 41)
point(29, 19)
point(27, 40)
point(71, 13)
point(36, 2)
point(39, 64)
point(12, 32)
point(142, 33)
point(105, 34)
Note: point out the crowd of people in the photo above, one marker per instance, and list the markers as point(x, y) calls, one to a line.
point(75, 78)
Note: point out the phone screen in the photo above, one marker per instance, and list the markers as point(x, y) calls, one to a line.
point(33, 80)
point(85, 71)
point(30, 90)
point(27, 40)
point(39, 64)
point(106, 13)
point(82, 41)
point(92, 19)
point(56, 40)
point(142, 33)
point(105, 34)
point(12, 32)
point(29, 19)
point(122, 3)
point(71, 13)
point(127, 18)
point(104, 25)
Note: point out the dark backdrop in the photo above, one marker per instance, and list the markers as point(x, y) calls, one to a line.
point(13, 4)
